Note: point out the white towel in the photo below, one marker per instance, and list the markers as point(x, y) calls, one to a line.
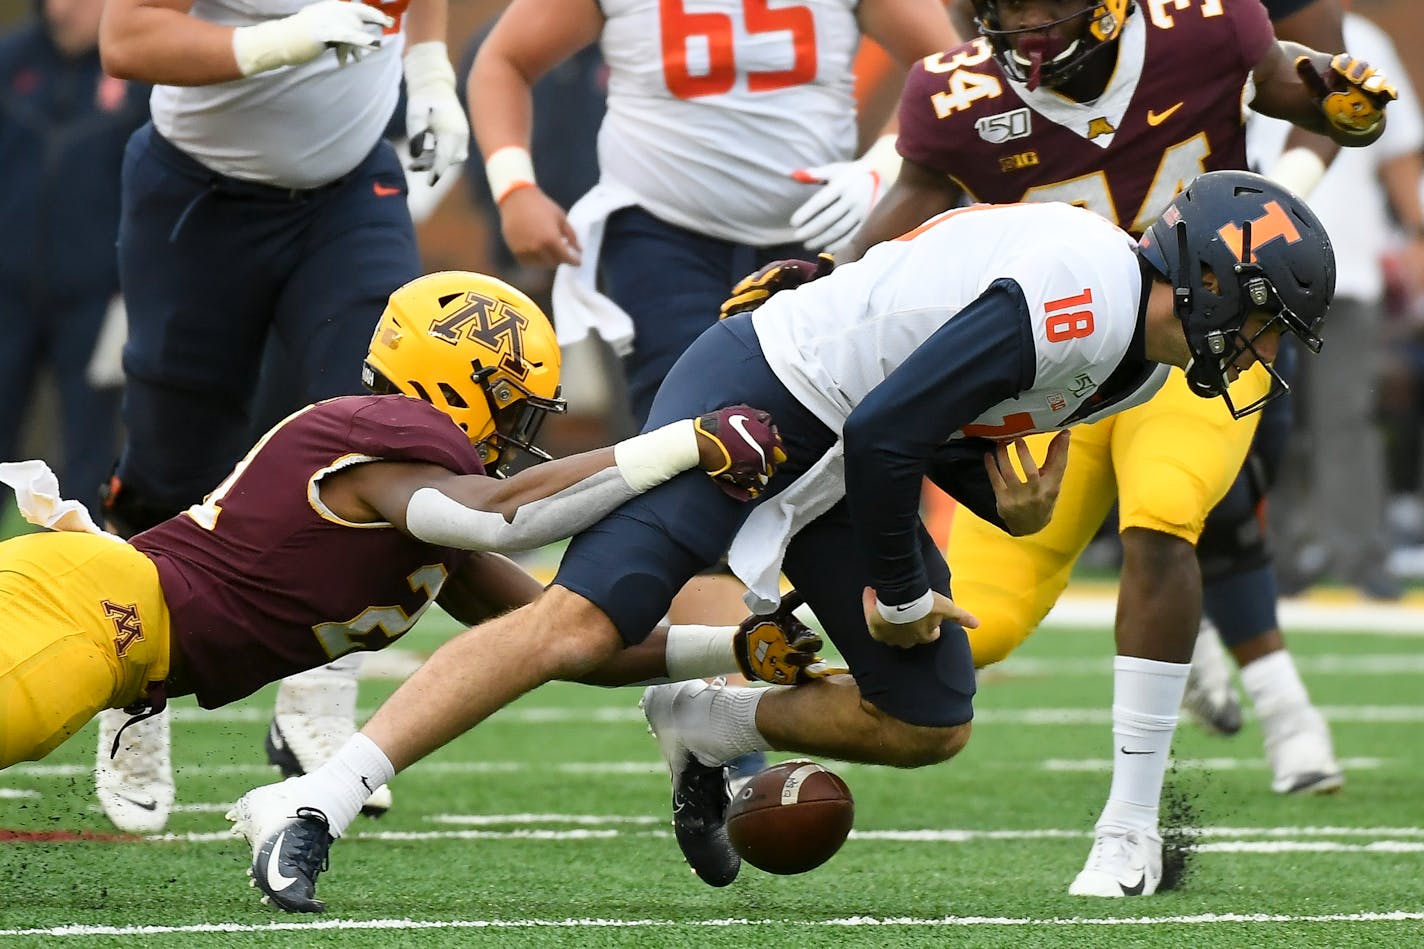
point(578, 305)
point(37, 496)
point(760, 546)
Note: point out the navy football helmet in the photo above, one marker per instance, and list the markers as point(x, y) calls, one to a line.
point(1268, 252)
point(1030, 56)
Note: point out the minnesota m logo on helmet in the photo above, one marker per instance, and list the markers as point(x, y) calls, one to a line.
point(493, 323)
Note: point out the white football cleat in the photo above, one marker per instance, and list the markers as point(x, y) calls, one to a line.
point(315, 714)
point(1300, 752)
point(1210, 698)
point(135, 787)
point(1122, 863)
point(290, 843)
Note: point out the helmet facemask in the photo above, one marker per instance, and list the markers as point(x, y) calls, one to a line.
point(1034, 56)
point(518, 415)
point(1213, 319)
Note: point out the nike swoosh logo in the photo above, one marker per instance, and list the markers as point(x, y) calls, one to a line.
point(739, 422)
point(1126, 752)
point(386, 191)
point(148, 804)
point(1137, 888)
point(276, 879)
point(1155, 119)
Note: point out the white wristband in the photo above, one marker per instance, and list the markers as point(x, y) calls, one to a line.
point(508, 169)
point(428, 62)
point(1298, 170)
point(884, 160)
point(265, 46)
point(910, 612)
point(649, 459)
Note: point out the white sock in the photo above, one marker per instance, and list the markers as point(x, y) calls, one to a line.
point(700, 652)
point(340, 787)
point(723, 725)
point(1274, 684)
point(1146, 697)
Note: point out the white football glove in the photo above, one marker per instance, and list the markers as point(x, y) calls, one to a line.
point(434, 122)
point(343, 26)
point(849, 189)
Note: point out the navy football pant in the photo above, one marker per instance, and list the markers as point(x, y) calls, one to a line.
point(671, 282)
point(211, 266)
point(1238, 577)
point(59, 334)
point(631, 563)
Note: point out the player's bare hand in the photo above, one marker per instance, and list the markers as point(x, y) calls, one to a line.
point(779, 648)
point(1026, 502)
point(1350, 92)
point(755, 289)
point(915, 633)
point(537, 230)
point(740, 448)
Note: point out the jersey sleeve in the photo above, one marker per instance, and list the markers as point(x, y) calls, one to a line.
point(982, 356)
point(397, 428)
point(1251, 26)
point(920, 126)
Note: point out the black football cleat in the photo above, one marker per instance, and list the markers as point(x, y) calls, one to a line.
point(700, 795)
point(290, 848)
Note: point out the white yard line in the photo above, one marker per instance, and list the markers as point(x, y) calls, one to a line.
point(849, 922)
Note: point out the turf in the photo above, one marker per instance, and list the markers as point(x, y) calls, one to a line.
point(548, 826)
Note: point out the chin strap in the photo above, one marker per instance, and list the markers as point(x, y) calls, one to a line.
point(154, 701)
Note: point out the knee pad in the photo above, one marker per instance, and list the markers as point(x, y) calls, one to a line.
point(1234, 539)
point(1242, 606)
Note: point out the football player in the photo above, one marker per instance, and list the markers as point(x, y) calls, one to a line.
point(730, 140)
point(262, 211)
point(932, 356)
point(339, 529)
point(1084, 102)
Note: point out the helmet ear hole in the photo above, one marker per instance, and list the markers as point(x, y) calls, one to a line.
point(452, 398)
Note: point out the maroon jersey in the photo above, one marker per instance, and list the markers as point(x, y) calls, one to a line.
point(1172, 110)
point(262, 581)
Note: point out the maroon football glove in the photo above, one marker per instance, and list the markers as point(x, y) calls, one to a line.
point(779, 648)
point(746, 448)
point(754, 290)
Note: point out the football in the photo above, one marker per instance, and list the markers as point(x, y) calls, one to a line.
point(790, 818)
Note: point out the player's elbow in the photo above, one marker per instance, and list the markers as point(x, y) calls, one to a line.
point(120, 51)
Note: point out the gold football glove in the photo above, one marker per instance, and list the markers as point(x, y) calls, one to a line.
point(755, 289)
point(779, 648)
point(1351, 93)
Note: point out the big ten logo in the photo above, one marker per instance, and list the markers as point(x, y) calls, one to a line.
point(1019, 161)
point(1069, 318)
point(127, 627)
point(492, 323)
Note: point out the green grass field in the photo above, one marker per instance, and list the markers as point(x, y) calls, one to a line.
point(548, 826)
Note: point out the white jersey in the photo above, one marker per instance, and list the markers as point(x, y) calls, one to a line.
point(834, 340)
point(713, 106)
point(292, 127)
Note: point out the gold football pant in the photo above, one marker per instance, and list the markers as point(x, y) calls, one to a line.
point(1167, 463)
point(83, 627)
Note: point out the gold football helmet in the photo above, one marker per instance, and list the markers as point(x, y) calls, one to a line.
point(1044, 63)
point(478, 350)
